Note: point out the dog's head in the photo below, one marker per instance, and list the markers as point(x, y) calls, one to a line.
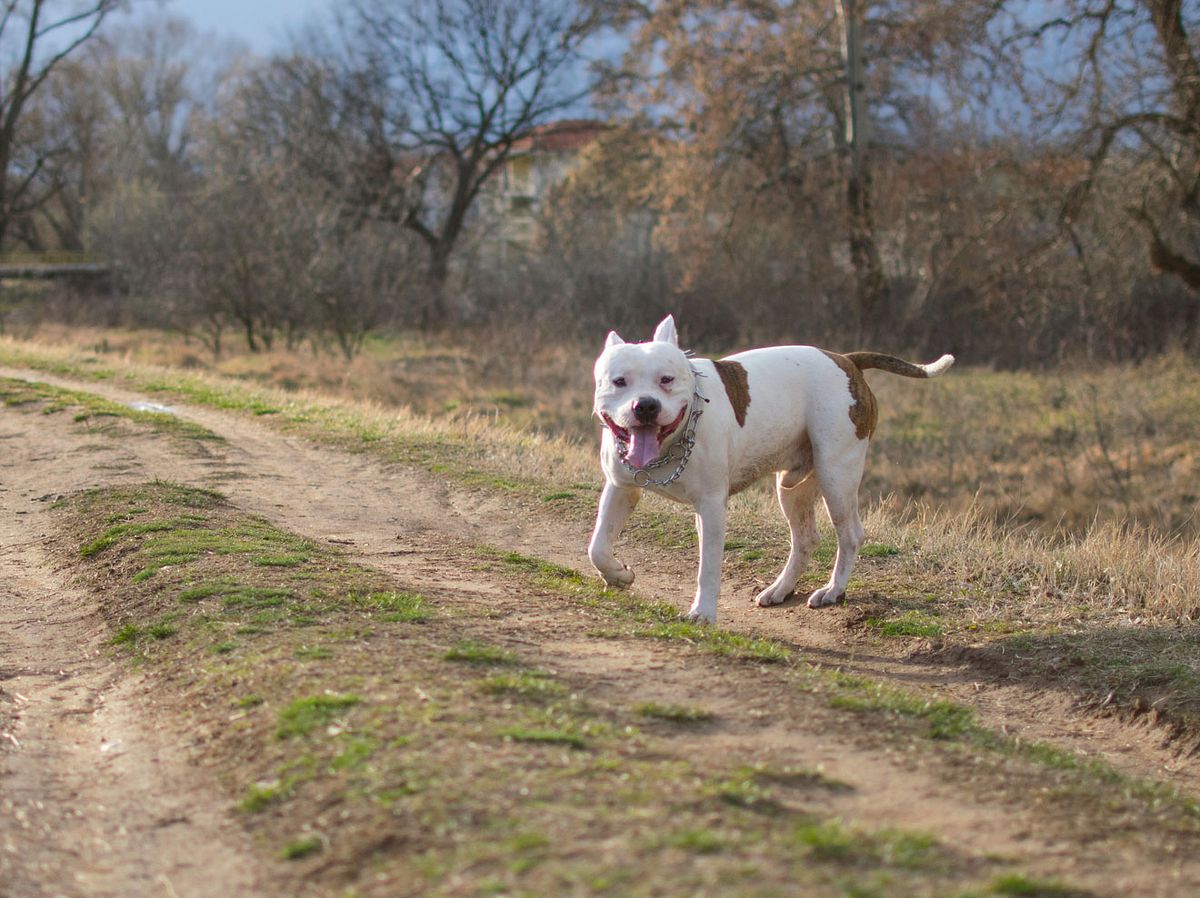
point(643, 391)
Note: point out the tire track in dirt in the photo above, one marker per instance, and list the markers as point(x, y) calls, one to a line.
point(99, 797)
point(388, 515)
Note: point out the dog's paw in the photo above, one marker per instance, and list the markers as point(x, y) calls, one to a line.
point(824, 596)
point(772, 595)
point(618, 579)
point(700, 616)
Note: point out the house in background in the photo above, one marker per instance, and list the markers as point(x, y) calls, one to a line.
point(536, 163)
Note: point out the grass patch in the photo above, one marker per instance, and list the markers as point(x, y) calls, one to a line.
point(697, 841)
point(544, 737)
point(526, 684)
point(1017, 885)
point(304, 715)
point(127, 635)
point(260, 795)
point(673, 713)
point(911, 623)
point(293, 560)
point(943, 719)
point(718, 641)
point(661, 621)
point(301, 848)
point(86, 408)
point(470, 652)
point(395, 606)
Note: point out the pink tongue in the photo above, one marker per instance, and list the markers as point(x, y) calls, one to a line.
point(643, 445)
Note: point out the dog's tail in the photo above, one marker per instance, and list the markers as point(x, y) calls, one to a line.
point(864, 360)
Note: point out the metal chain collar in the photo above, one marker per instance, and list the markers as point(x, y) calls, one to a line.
point(681, 449)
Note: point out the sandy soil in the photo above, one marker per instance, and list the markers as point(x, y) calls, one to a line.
point(102, 790)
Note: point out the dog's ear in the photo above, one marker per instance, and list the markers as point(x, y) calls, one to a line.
point(665, 332)
point(614, 339)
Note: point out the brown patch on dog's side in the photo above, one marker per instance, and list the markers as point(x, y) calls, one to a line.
point(737, 388)
point(864, 412)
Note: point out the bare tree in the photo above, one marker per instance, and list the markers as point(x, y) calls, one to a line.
point(794, 102)
point(35, 37)
point(123, 110)
point(466, 79)
point(1126, 84)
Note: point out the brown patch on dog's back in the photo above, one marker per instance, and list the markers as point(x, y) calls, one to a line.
point(737, 388)
point(864, 412)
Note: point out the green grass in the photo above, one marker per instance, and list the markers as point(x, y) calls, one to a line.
point(129, 634)
point(90, 409)
point(471, 652)
point(655, 620)
point(1017, 885)
point(526, 684)
point(259, 796)
point(395, 606)
point(944, 720)
point(304, 715)
point(697, 841)
point(911, 623)
point(544, 736)
point(301, 848)
point(831, 841)
point(673, 713)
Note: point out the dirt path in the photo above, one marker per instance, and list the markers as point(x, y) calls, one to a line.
point(99, 798)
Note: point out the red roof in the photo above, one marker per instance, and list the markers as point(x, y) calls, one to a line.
point(566, 136)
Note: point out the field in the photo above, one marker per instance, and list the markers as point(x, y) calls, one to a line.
point(357, 602)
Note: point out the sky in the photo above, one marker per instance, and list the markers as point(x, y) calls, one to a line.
point(263, 25)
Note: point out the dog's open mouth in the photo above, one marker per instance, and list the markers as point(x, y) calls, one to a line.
point(644, 442)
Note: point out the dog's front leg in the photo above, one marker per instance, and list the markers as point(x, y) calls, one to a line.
point(616, 505)
point(710, 526)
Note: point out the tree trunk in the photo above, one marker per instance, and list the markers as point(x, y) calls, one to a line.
point(870, 282)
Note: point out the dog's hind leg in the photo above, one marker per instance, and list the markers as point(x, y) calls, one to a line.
point(839, 477)
point(616, 505)
point(797, 492)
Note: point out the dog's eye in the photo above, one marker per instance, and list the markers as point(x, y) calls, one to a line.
point(666, 380)
point(618, 381)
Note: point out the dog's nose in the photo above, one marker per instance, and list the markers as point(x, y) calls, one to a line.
point(646, 408)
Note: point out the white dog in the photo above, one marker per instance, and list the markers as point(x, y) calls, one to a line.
point(698, 431)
